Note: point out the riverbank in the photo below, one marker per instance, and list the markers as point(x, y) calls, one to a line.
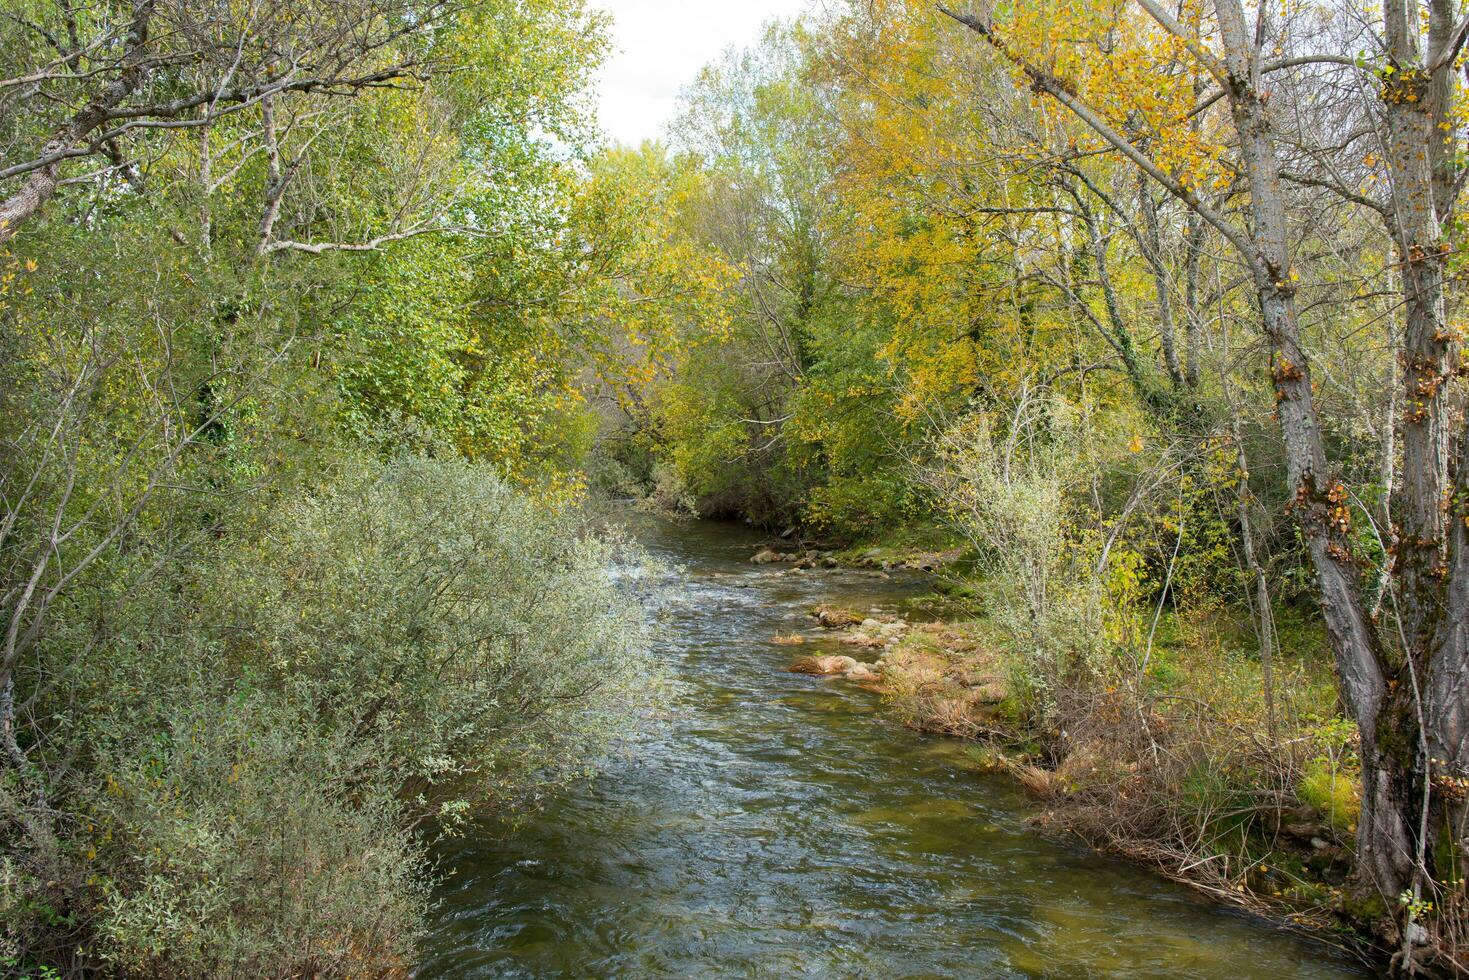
point(1178, 765)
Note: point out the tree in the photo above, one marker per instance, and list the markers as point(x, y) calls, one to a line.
point(1407, 693)
point(117, 73)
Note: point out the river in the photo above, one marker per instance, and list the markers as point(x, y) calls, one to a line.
point(778, 825)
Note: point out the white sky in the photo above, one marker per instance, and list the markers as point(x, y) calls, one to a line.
point(658, 46)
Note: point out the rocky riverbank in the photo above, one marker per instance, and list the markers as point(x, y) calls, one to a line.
point(799, 557)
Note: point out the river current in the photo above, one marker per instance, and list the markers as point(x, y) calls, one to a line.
point(778, 825)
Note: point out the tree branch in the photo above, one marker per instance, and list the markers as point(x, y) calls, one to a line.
point(1063, 93)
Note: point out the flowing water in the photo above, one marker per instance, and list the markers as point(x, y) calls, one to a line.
point(778, 825)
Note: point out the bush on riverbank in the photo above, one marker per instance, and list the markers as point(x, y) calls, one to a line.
point(251, 751)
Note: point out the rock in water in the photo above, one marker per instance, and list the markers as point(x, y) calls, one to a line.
point(823, 665)
point(834, 619)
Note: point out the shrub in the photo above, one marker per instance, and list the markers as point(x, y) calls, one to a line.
point(252, 737)
point(249, 844)
point(1006, 492)
point(478, 639)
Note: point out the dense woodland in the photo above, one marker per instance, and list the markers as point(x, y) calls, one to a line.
point(321, 319)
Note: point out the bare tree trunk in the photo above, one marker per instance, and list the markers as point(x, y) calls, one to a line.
point(1166, 332)
point(1122, 340)
point(1385, 837)
point(206, 192)
point(1446, 694)
point(1192, 325)
point(1421, 731)
point(1387, 477)
point(1410, 121)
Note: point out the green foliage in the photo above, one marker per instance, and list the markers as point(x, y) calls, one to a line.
point(289, 424)
point(1333, 792)
point(432, 609)
point(1007, 489)
point(865, 506)
point(244, 839)
point(266, 723)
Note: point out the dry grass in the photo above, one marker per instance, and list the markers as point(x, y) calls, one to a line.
point(943, 679)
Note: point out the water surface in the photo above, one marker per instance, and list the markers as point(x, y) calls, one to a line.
point(776, 825)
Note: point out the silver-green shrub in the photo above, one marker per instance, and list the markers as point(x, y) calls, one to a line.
point(477, 639)
point(249, 843)
point(255, 738)
point(1006, 484)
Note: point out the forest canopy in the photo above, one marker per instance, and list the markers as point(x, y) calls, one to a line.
point(319, 321)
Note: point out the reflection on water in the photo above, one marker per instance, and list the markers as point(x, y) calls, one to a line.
point(776, 825)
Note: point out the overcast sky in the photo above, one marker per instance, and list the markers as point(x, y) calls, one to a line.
point(658, 48)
